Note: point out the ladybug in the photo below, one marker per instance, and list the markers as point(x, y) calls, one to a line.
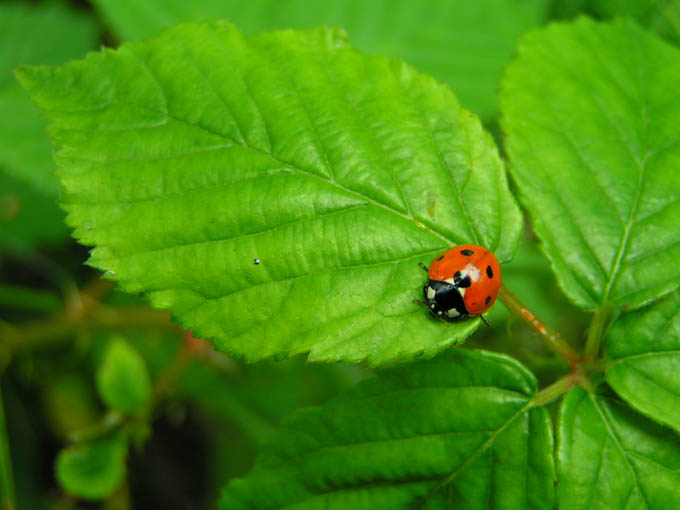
point(463, 281)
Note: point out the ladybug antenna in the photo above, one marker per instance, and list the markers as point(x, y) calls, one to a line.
point(423, 266)
point(420, 302)
point(484, 320)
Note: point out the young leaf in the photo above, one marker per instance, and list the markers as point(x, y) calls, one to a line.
point(275, 192)
point(465, 44)
point(459, 427)
point(589, 110)
point(122, 378)
point(93, 470)
point(643, 349)
point(611, 458)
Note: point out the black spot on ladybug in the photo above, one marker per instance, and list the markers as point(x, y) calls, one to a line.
point(440, 258)
point(461, 283)
point(467, 252)
point(489, 272)
point(488, 300)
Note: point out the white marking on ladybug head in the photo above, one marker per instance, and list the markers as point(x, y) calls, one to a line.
point(431, 293)
point(453, 313)
point(461, 291)
point(473, 272)
point(451, 281)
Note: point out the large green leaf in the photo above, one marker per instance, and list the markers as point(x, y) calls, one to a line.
point(643, 351)
point(611, 458)
point(188, 159)
point(93, 470)
point(590, 111)
point(465, 44)
point(457, 431)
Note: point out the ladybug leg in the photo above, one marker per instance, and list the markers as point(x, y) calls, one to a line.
point(423, 266)
point(424, 304)
point(448, 325)
point(484, 320)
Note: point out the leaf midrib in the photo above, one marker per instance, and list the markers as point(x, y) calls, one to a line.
point(624, 453)
point(246, 235)
point(641, 355)
point(643, 375)
point(293, 278)
point(442, 483)
point(449, 479)
point(640, 162)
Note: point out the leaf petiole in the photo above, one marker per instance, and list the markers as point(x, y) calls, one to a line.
point(551, 337)
point(109, 422)
point(556, 390)
point(595, 331)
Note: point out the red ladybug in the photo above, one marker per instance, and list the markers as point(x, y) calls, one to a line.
point(463, 281)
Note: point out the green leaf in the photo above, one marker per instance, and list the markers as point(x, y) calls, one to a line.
point(661, 16)
point(590, 114)
point(611, 458)
point(93, 470)
point(465, 44)
point(459, 427)
point(643, 351)
point(122, 378)
point(46, 34)
point(187, 158)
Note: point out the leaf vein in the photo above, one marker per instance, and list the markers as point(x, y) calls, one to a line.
point(249, 234)
point(370, 133)
point(199, 70)
point(624, 453)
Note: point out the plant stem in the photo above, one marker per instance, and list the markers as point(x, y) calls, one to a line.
point(64, 326)
point(109, 421)
point(171, 373)
point(595, 332)
point(28, 299)
point(556, 390)
point(8, 498)
point(552, 338)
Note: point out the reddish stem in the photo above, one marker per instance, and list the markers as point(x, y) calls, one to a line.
point(551, 337)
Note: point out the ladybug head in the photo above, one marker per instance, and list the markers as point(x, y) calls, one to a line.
point(444, 299)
